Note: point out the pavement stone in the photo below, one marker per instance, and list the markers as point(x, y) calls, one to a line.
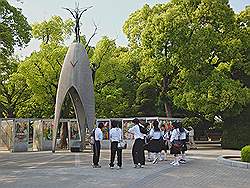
point(65, 169)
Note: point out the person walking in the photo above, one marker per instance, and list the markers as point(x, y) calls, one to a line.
point(98, 136)
point(138, 146)
point(115, 135)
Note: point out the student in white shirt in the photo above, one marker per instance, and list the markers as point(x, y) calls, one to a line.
point(98, 136)
point(138, 147)
point(155, 146)
point(178, 138)
point(115, 135)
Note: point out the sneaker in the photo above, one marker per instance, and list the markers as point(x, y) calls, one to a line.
point(182, 161)
point(119, 167)
point(135, 166)
point(155, 161)
point(176, 164)
point(140, 166)
point(111, 167)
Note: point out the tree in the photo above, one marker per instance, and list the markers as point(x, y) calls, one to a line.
point(191, 45)
point(42, 68)
point(115, 81)
point(13, 89)
point(237, 128)
point(14, 29)
point(14, 32)
point(146, 99)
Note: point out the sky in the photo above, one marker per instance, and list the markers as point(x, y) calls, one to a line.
point(108, 15)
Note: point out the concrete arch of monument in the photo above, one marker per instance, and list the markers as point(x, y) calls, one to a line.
point(80, 116)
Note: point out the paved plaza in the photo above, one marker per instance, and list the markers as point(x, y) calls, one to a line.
point(65, 169)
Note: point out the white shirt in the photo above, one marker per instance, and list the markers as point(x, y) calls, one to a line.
point(136, 131)
point(115, 134)
point(155, 134)
point(177, 135)
point(98, 134)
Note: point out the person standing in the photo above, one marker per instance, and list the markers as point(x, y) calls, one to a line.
point(115, 135)
point(155, 146)
point(183, 138)
point(138, 146)
point(191, 138)
point(175, 144)
point(164, 143)
point(98, 136)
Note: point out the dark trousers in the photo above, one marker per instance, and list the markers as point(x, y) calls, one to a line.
point(96, 150)
point(114, 150)
point(138, 152)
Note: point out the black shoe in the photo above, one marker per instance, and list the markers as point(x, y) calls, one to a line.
point(96, 166)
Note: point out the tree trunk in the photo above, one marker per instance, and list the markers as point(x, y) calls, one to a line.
point(10, 113)
point(167, 106)
point(168, 110)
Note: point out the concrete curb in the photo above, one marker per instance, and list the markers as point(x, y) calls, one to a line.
point(228, 162)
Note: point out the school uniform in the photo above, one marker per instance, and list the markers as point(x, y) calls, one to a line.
point(183, 139)
point(97, 145)
point(138, 146)
point(164, 142)
point(154, 143)
point(115, 135)
point(175, 139)
point(178, 137)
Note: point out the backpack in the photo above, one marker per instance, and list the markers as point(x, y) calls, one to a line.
point(143, 130)
point(92, 137)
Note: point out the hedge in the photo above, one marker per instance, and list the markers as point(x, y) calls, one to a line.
point(245, 154)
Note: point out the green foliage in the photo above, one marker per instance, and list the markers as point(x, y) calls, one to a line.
point(13, 88)
point(191, 121)
point(245, 154)
point(42, 69)
point(14, 29)
point(193, 47)
point(236, 130)
point(146, 99)
point(115, 81)
point(55, 30)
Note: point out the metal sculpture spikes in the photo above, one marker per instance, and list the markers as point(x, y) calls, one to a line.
point(77, 14)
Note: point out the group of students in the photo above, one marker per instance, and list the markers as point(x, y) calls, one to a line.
point(156, 141)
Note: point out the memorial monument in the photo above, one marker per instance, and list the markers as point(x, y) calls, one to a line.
point(76, 79)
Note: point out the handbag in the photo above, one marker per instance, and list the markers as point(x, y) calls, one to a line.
point(92, 138)
point(122, 144)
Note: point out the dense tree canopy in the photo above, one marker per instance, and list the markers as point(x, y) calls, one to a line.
point(192, 46)
point(14, 29)
point(188, 56)
point(14, 32)
point(42, 69)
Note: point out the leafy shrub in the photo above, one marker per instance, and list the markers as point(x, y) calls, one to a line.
point(245, 154)
point(236, 130)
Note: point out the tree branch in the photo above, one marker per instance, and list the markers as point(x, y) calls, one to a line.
point(94, 33)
